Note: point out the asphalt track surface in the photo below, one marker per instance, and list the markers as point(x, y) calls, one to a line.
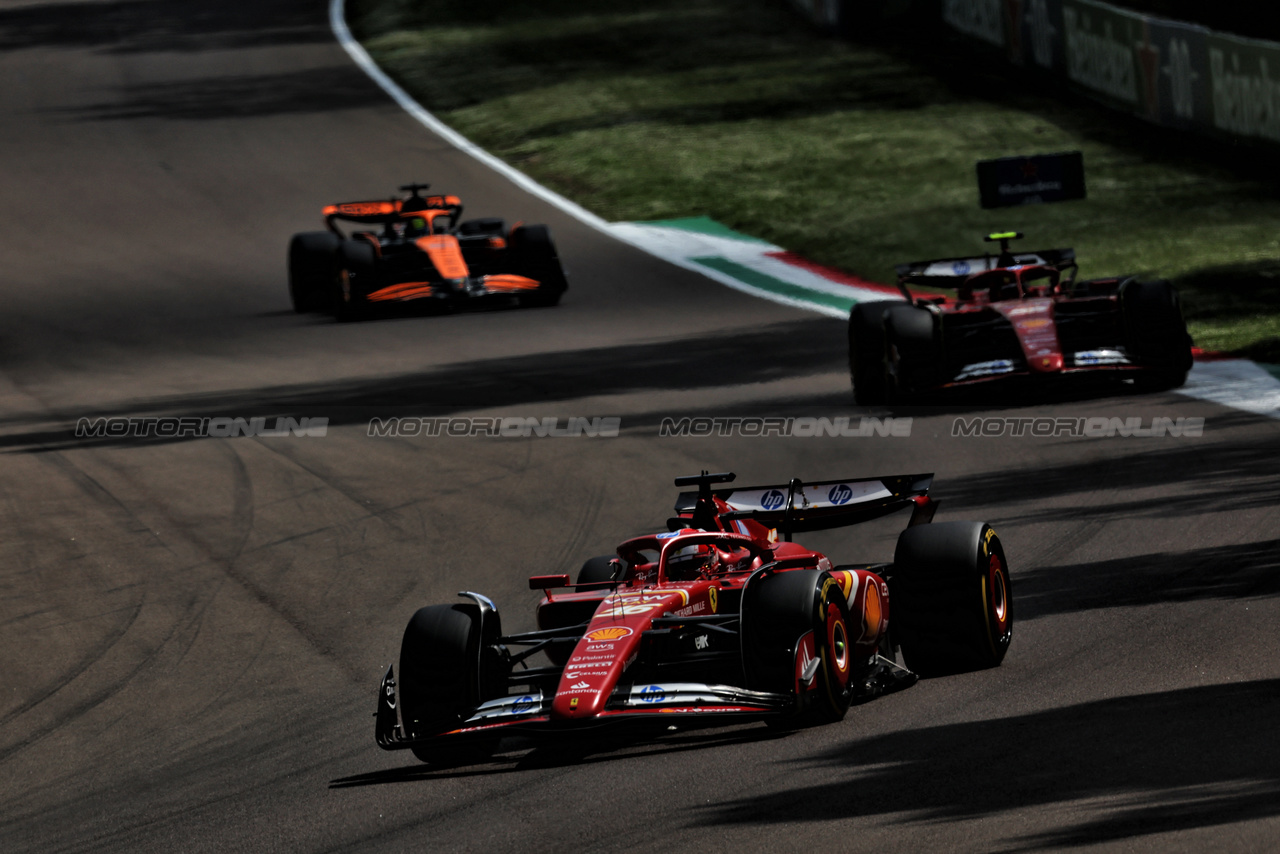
point(192, 632)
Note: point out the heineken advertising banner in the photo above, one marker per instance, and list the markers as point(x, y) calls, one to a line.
point(1175, 74)
point(1099, 42)
point(1173, 58)
point(1039, 23)
point(1245, 98)
point(982, 19)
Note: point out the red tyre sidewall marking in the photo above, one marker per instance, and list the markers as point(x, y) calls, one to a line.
point(998, 594)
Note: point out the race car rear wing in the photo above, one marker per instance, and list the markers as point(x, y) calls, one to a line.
point(388, 210)
point(796, 507)
point(937, 272)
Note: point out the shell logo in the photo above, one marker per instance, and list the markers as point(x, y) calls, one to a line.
point(609, 634)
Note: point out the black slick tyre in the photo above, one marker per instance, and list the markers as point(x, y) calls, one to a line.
point(868, 368)
point(951, 597)
point(786, 614)
point(909, 335)
point(356, 278)
point(535, 256)
point(1155, 334)
point(441, 681)
point(311, 269)
point(597, 573)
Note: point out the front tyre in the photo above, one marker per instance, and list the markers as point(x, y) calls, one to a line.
point(912, 348)
point(597, 573)
point(789, 620)
point(952, 597)
point(868, 368)
point(444, 674)
point(1156, 334)
point(535, 256)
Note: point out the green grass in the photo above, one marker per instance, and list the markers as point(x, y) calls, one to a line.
point(856, 156)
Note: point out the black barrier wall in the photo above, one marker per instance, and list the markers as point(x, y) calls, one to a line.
point(1174, 74)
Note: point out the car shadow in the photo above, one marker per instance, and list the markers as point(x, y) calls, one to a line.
point(530, 755)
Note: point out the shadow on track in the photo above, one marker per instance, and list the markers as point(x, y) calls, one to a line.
point(1158, 762)
point(1238, 571)
point(797, 349)
point(561, 753)
point(139, 26)
point(317, 90)
point(788, 350)
point(1192, 477)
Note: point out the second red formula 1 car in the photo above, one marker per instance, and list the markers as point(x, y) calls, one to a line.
point(421, 253)
point(1015, 315)
point(714, 620)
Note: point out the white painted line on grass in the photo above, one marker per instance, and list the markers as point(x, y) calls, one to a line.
point(1238, 383)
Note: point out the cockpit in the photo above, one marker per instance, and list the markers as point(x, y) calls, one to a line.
point(1010, 283)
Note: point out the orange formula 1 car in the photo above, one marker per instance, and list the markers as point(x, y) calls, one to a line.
point(422, 252)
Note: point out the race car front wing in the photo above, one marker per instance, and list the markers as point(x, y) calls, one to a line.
point(531, 712)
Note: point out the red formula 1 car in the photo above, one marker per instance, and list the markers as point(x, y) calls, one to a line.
point(424, 253)
point(713, 620)
point(1015, 315)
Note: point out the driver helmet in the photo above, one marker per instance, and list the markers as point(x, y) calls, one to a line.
point(691, 562)
point(417, 226)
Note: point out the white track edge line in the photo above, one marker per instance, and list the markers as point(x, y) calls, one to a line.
point(338, 23)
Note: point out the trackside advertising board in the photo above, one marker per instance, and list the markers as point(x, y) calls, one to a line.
point(1038, 179)
point(1174, 74)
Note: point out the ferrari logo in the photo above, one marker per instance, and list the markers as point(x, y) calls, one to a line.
point(714, 596)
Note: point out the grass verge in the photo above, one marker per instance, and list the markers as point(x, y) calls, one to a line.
point(858, 156)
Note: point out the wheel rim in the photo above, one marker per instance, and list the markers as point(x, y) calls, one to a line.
point(838, 644)
point(999, 594)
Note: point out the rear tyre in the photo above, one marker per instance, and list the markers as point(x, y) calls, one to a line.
point(1156, 334)
point(868, 368)
point(443, 677)
point(952, 598)
point(597, 573)
point(782, 613)
point(535, 256)
point(356, 278)
point(311, 269)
